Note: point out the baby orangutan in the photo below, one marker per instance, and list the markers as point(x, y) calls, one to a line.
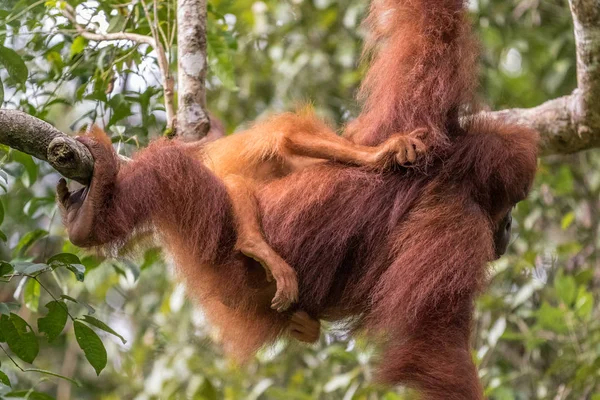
point(268, 151)
point(275, 148)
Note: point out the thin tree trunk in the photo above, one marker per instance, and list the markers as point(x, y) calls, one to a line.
point(192, 117)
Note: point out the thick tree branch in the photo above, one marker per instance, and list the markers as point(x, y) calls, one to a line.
point(192, 118)
point(572, 123)
point(41, 140)
point(567, 124)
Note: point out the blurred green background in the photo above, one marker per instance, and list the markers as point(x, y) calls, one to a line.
point(537, 333)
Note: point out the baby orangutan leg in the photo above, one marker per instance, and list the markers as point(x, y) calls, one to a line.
point(252, 243)
point(402, 148)
point(304, 328)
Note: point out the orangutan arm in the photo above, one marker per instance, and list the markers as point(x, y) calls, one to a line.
point(158, 187)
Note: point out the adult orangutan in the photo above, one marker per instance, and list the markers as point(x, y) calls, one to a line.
point(399, 255)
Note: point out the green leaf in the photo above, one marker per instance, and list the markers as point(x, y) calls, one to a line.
point(65, 297)
point(567, 220)
point(69, 261)
point(584, 305)
point(5, 268)
point(1, 213)
point(101, 325)
point(3, 237)
point(54, 322)
point(7, 308)
point(220, 58)
point(4, 379)
point(64, 258)
point(30, 167)
point(564, 181)
point(29, 395)
point(27, 241)
point(19, 337)
point(28, 268)
point(31, 295)
point(14, 64)
point(552, 318)
point(91, 345)
point(116, 24)
point(78, 45)
point(1, 92)
point(151, 257)
point(4, 310)
point(3, 180)
point(566, 288)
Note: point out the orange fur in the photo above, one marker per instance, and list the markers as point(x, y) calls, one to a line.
point(399, 255)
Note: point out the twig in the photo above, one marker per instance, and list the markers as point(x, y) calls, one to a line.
point(41, 371)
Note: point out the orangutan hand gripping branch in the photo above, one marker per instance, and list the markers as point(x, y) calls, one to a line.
point(396, 254)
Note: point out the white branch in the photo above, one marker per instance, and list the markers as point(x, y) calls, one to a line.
point(571, 123)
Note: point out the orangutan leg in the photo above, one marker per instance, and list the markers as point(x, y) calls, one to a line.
point(252, 243)
point(401, 149)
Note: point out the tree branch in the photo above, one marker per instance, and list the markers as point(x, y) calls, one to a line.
point(41, 140)
point(571, 123)
point(192, 117)
point(163, 64)
point(153, 41)
point(567, 124)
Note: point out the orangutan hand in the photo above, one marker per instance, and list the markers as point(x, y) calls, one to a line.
point(80, 208)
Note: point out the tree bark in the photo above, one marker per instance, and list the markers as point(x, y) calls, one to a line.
point(572, 123)
point(41, 140)
point(192, 117)
point(567, 124)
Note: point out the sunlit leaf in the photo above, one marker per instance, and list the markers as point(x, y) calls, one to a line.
point(31, 295)
point(584, 305)
point(78, 45)
point(567, 220)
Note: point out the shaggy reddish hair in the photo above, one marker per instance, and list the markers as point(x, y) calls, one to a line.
point(399, 255)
